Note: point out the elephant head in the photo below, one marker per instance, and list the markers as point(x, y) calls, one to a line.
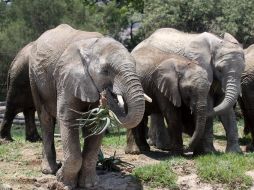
point(228, 62)
point(110, 67)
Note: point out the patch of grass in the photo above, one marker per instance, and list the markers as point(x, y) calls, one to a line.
point(11, 151)
point(32, 173)
point(228, 169)
point(115, 138)
point(159, 175)
point(18, 132)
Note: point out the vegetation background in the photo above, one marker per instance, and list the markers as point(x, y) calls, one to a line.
point(129, 21)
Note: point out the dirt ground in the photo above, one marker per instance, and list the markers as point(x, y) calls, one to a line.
point(24, 173)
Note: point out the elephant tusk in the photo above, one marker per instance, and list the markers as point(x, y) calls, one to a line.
point(120, 100)
point(147, 98)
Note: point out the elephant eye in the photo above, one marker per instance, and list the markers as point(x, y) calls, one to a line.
point(219, 69)
point(105, 72)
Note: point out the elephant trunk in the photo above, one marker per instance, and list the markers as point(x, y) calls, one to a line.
point(135, 102)
point(200, 122)
point(231, 95)
point(132, 93)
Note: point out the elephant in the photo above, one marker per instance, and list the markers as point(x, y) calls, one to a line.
point(68, 69)
point(177, 86)
point(246, 99)
point(223, 60)
point(19, 97)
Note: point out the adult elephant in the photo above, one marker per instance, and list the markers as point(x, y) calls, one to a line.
point(19, 97)
point(68, 69)
point(175, 84)
point(223, 60)
point(246, 101)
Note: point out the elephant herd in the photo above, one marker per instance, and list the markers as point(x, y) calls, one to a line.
point(190, 77)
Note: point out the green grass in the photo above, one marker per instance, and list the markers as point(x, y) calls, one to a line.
point(11, 151)
point(32, 173)
point(115, 138)
point(228, 169)
point(159, 175)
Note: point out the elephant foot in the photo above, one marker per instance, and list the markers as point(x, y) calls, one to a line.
point(33, 138)
point(199, 150)
point(250, 148)
point(7, 139)
point(176, 152)
point(47, 168)
point(234, 148)
point(6, 136)
point(134, 149)
point(88, 179)
point(69, 181)
point(162, 146)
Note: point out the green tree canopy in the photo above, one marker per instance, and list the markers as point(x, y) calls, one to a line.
point(129, 21)
point(233, 16)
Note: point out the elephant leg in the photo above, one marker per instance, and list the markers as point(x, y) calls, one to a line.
point(160, 132)
point(248, 115)
point(68, 173)
point(152, 131)
point(49, 165)
point(87, 176)
point(5, 128)
point(229, 123)
point(136, 138)
point(174, 130)
point(173, 118)
point(32, 134)
point(206, 143)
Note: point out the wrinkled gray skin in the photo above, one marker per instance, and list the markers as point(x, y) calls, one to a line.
point(246, 101)
point(223, 60)
point(172, 82)
point(68, 69)
point(19, 97)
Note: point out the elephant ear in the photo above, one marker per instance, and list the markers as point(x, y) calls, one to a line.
point(166, 80)
point(228, 37)
point(75, 76)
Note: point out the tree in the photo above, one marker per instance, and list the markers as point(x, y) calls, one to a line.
point(199, 16)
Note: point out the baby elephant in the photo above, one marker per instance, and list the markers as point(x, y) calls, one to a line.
point(175, 84)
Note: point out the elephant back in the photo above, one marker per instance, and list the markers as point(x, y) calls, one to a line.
point(51, 44)
point(249, 64)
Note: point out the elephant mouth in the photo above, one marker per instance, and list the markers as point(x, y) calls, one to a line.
point(117, 103)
